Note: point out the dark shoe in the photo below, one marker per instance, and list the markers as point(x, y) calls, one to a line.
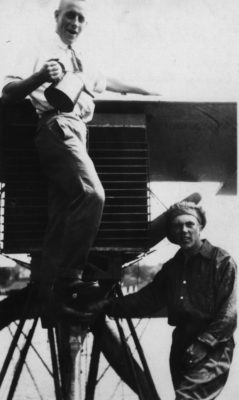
point(75, 296)
point(74, 288)
point(69, 299)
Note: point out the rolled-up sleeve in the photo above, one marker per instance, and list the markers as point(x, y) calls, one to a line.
point(100, 83)
point(142, 304)
point(20, 65)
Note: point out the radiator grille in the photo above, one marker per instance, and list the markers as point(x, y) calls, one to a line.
point(120, 154)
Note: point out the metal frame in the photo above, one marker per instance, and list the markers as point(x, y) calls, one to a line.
point(145, 390)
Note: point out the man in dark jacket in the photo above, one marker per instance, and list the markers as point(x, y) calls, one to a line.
point(198, 288)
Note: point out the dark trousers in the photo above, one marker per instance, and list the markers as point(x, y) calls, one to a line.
point(204, 380)
point(76, 196)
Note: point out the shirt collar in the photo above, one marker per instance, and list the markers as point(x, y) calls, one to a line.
point(62, 45)
point(205, 251)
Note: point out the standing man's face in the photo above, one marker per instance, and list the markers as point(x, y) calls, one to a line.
point(70, 19)
point(186, 231)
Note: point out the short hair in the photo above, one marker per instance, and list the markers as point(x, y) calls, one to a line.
point(64, 3)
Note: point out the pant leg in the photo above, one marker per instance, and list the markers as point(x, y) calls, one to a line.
point(76, 197)
point(206, 379)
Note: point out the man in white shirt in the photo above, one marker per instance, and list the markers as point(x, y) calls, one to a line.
point(76, 196)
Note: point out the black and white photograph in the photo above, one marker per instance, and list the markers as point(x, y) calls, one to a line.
point(119, 211)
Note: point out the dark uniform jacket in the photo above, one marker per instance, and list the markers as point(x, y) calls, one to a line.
point(199, 294)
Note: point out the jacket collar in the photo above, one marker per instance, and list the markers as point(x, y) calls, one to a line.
point(206, 250)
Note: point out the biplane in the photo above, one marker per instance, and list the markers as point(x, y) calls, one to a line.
point(132, 143)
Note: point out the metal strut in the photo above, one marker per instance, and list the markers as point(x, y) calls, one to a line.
point(55, 363)
point(93, 370)
point(140, 351)
point(130, 359)
point(24, 351)
point(127, 368)
point(21, 360)
point(15, 339)
point(105, 342)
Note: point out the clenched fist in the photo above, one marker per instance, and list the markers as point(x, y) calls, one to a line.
point(52, 70)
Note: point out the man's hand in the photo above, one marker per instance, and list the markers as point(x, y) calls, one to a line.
point(52, 71)
point(99, 307)
point(195, 353)
point(151, 92)
point(115, 85)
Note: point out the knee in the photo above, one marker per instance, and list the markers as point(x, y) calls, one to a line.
point(101, 194)
point(97, 195)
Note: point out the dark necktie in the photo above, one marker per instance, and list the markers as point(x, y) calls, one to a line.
point(77, 65)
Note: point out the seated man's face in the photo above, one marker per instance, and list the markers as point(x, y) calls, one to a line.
point(70, 20)
point(186, 230)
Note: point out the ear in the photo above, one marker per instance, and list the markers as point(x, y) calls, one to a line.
point(85, 25)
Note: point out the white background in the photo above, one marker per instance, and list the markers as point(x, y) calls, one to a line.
point(187, 50)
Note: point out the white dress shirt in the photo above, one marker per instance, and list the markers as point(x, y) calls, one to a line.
point(28, 63)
